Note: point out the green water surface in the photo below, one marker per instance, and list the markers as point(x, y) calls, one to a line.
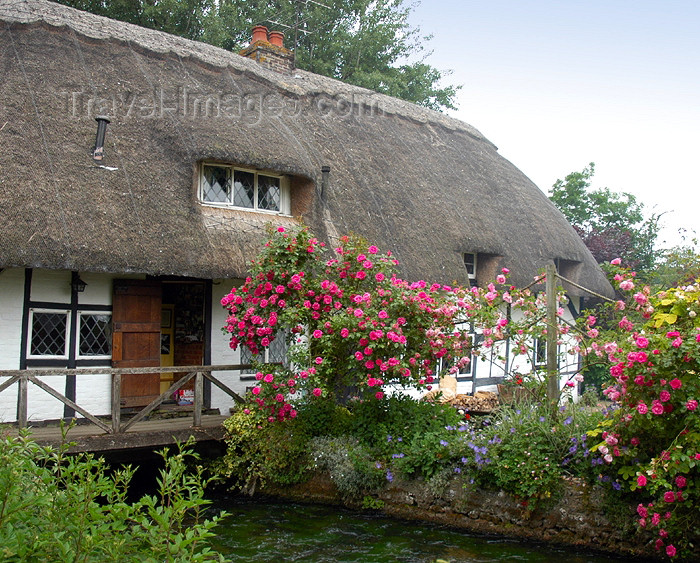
point(273, 531)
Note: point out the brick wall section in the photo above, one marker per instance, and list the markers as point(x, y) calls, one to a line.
point(270, 56)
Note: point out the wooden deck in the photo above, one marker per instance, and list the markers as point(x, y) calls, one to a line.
point(144, 434)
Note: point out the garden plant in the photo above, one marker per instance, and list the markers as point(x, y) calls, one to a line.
point(362, 341)
point(60, 507)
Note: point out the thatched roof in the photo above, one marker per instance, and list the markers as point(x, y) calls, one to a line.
point(425, 185)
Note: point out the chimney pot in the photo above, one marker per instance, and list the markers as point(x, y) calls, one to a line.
point(259, 34)
point(276, 38)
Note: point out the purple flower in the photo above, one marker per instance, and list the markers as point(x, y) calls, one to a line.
point(444, 443)
point(389, 476)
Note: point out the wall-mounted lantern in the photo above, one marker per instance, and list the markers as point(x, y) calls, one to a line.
point(76, 283)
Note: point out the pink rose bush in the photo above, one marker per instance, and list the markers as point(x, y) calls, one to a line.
point(654, 357)
point(354, 327)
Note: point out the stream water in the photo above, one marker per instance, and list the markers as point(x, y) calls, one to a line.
point(280, 532)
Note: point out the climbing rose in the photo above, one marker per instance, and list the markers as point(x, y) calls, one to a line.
point(675, 383)
point(669, 496)
point(316, 392)
point(670, 550)
point(641, 481)
point(691, 405)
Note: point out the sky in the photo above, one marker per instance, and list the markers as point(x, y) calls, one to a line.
point(557, 85)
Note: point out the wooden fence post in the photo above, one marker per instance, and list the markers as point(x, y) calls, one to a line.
point(198, 398)
point(22, 402)
point(552, 367)
point(116, 402)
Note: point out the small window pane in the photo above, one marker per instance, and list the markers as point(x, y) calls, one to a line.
point(268, 193)
point(95, 335)
point(470, 264)
point(216, 184)
point(248, 358)
point(277, 351)
point(48, 334)
point(243, 188)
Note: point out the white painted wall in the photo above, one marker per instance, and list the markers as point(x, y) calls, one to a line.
point(493, 364)
point(11, 299)
point(92, 391)
point(221, 352)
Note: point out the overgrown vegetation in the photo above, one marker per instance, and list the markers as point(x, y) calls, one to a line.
point(335, 409)
point(59, 507)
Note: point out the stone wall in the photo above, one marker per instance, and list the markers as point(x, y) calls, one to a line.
point(576, 519)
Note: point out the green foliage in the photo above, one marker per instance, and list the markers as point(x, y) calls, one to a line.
point(258, 454)
point(371, 503)
point(650, 444)
point(611, 224)
point(398, 419)
point(365, 42)
point(349, 464)
point(528, 451)
point(679, 265)
point(56, 507)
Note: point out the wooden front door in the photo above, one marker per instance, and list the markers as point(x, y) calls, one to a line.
point(136, 318)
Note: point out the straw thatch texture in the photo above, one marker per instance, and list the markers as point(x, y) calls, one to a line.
point(427, 186)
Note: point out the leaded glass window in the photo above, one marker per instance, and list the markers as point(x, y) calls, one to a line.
point(49, 333)
point(95, 334)
point(226, 185)
point(243, 189)
point(216, 184)
point(275, 353)
point(268, 193)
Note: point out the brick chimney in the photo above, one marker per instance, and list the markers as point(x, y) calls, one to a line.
point(268, 50)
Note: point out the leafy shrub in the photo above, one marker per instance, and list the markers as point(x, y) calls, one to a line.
point(349, 464)
point(55, 507)
point(527, 450)
point(257, 454)
point(398, 419)
point(651, 442)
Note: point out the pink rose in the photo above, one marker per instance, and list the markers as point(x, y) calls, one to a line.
point(669, 496)
point(379, 395)
point(657, 408)
point(316, 392)
point(616, 261)
point(670, 550)
point(642, 408)
point(664, 396)
point(318, 360)
point(675, 383)
point(256, 390)
point(691, 405)
point(641, 482)
point(626, 285)
point(680, 481)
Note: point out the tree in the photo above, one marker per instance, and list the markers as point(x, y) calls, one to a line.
point(611, 224)
point(367, 43)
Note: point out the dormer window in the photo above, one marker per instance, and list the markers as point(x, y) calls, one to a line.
point(470, 265)
point(229, 186)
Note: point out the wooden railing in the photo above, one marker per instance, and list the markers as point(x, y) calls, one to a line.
point(198, 373)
